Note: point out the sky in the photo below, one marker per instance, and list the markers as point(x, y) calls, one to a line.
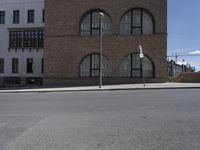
point(184, 30)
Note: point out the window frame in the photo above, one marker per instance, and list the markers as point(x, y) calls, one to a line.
point(2, 63)
point(142, 11)
point(92, 29)
point(91, 69)
point(43, 15)
point(42, 65)
point(29, 65)
point(2, 17)
point(141, 64)
point(31, 16)
point(26, 38)
point(15, 65)
point(16, 16)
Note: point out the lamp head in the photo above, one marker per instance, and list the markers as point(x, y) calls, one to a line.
point(101, 14)
point(141, 51)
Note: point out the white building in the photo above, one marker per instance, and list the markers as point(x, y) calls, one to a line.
point(21, 42)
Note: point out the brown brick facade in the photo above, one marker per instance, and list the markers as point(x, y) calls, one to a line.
point(65, 48)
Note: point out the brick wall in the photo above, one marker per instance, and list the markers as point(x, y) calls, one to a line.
point(188, 77)
point(64, 48)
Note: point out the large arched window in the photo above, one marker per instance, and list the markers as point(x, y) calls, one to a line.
point(137, 21)
point(131, 67)
point(90, 24)
point(90, 66)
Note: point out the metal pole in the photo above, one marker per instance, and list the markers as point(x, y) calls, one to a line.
point(101, 45)
point(141, 61)
point(143, 72)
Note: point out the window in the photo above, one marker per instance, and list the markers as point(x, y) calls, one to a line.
point(131, 67)
point(90, 24)
point(1, 65)
point(43, 15)
point(16, 39)
point(31, 16)
point(90, 66)
point(15, 64)
point(2, 17)
point(26, 38)
point(16, 16)
point(136, 22)
point(30, 39)
point(29, 65)
point(42, 65)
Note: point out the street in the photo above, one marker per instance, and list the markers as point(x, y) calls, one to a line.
point(108, 120)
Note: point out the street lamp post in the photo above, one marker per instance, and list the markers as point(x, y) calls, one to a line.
point(141, 60)
point(101, 45)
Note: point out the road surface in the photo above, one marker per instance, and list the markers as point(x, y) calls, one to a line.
point(109, 120)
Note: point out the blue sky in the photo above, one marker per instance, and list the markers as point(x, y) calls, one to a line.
point(184, 29)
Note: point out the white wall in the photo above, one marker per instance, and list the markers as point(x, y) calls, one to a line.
point(23, 6)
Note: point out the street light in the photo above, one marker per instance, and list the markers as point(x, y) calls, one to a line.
point(141, 60)
point(101, 14)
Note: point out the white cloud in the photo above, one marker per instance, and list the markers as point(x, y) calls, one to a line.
point(195, 52)
point(182, 63)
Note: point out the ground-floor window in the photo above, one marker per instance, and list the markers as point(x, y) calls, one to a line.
point(15, 65)
point(90, 66)
point(29, 65)
point(1, 65)
point(131, 67)
point(42, 65)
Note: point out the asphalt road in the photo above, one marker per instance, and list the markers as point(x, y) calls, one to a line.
point(112, 120)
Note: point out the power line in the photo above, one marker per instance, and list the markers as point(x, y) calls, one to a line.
point(183, 55)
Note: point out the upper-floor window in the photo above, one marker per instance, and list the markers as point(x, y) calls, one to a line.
point(43, 15)
point(16, 16)
point(2, 17)
point(26, 38)
point(90, 24)
point(31, 16)
point(137, 21)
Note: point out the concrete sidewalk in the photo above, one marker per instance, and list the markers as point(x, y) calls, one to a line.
point(106, 87)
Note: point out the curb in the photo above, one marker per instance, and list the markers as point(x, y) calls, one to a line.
point(94, 90)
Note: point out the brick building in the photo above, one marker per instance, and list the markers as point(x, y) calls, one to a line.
point(72, 41)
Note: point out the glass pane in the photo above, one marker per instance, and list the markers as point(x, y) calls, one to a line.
point(85, 25)
point(147, 67)
point(136, 73)
point(85, 67)
point(136, 61)
point(147, 24)
point(136, 18)
point(95, 19)
point(136, 31)
point(95, 73)
point(125, 25)
point(106, 68)
point(125, 67)
point(95, 32)
point(95, 61)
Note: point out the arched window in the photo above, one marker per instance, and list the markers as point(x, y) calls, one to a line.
point(137, 21)
point(131, 67)
point(90, 66)
point(90, 24)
